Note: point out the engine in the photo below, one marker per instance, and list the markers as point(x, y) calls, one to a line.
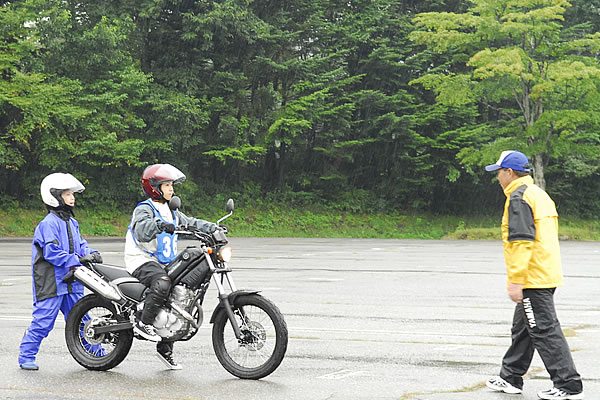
point(169, 322)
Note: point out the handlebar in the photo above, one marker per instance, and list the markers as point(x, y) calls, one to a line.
point(208, 238)
point(189, 231)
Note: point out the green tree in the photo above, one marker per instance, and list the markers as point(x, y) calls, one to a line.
point(526, 70)
point(106, 142)
point(33, 104)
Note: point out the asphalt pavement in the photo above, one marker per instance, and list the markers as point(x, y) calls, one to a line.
point(368, 319)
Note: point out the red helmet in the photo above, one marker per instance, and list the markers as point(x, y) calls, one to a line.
point(157, 174)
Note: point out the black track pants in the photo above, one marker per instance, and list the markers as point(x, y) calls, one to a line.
point(536, 327)
point(149, 274)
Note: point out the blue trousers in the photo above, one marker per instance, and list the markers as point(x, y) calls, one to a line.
point(44, 315)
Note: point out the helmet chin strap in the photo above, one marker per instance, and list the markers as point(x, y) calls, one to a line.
point(162, 196)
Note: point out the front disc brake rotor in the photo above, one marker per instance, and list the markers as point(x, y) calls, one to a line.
point(254, 336)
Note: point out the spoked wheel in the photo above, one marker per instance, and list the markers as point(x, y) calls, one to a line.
point(262, 347)
point(96, 351)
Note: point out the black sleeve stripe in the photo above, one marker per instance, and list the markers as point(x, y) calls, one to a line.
point(521, 225)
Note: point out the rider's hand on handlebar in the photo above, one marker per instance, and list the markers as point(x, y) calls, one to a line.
point(90, 258)
point(166, 227)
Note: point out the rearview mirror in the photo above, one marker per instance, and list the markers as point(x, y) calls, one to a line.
point(175, 203)
point(230, 205)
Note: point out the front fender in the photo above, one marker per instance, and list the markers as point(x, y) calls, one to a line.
point(231, 298)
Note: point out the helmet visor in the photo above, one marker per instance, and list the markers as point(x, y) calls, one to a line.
point(166, 173)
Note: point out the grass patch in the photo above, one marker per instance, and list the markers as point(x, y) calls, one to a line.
point(569, 228)
point(579, 229)
point(23, 222)
point(279, 220)
point(311, 223)
point(475, 234)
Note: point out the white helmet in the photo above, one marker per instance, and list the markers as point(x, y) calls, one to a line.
point(58, 181)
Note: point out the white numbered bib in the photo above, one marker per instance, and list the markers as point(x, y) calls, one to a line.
point(166, 247)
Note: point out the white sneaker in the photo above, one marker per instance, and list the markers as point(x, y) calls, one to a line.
point(498, 384)
point(146, 331)
point(168, 360)
point(555, 393)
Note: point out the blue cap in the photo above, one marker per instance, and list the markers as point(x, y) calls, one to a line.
point(512, 159)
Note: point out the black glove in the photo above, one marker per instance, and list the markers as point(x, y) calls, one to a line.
point(95, 258)
point(169, 228)
point(224, 228)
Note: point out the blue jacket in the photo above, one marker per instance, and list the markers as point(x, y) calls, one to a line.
point(57, 246)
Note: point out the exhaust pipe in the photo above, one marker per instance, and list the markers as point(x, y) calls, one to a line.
point(184, 314)
point(94, 282)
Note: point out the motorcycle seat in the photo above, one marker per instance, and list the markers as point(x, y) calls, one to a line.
point(112, 272)
point(119, 276)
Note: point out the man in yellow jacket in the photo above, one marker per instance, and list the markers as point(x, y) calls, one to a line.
point(532, 255)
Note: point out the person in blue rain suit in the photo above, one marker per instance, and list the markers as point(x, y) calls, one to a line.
point(151, 243)
point(57, 248)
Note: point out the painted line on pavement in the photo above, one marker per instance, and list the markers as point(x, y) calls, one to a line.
point(342, 374)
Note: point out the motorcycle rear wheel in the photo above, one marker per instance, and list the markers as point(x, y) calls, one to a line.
point(98, 352)
point(265, 340)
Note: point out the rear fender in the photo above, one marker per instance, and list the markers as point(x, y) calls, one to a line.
point(231, 298)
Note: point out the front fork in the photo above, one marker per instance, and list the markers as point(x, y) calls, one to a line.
point(224, 295)
point(225, 303)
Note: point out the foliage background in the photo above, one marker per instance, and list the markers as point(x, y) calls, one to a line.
point(317, 106)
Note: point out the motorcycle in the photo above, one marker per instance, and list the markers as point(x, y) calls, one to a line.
point(99, 329)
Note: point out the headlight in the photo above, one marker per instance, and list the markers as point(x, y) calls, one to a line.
point(225, 253)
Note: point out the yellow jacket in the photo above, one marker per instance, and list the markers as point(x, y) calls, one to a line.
point(530, 236)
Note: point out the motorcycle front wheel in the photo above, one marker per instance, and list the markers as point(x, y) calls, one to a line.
point(99, 352)
point(262, 347)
